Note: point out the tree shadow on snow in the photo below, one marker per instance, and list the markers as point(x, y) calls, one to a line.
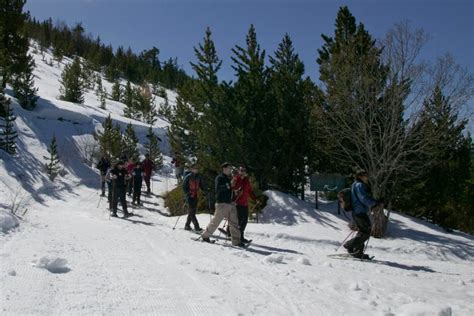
point(288, 210)
point(405, 266)
point(446, 243)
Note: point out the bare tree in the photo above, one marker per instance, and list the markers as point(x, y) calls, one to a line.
point(402, 46)
point(89, 148)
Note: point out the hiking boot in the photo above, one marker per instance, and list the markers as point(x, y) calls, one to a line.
point(357, 254)
point(245, 241)
point(241, 245)
point(187, 227)
point(128, 214)
point(198, 229)
point(114, 215)
point(348, 247)
point(206, 239)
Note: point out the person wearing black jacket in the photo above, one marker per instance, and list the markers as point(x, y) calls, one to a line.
point(191, 184)
point(224, 208)
point(119, 176)
point(137, 179)
point(103, 165)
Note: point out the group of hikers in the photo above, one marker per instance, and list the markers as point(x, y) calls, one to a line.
point(232, 192)
point(122, 177)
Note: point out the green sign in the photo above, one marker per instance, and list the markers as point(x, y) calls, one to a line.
point(327, 182)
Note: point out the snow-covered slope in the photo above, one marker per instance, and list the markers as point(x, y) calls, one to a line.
point(68, 257)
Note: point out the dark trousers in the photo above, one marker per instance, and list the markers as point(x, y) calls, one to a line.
point(357, 244)
point(119, 195)
point(137, 191)
point(243, 217)
point(147, 182)
point(129, 186)
point(192, 208)
point(102, 183)
point(109, 196)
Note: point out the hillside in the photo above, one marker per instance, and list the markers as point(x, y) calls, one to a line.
point(69, 257)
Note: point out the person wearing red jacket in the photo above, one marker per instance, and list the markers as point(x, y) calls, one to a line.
point(148, 167)
point(242, 191)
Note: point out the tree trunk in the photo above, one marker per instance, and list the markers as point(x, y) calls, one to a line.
point(380, 221)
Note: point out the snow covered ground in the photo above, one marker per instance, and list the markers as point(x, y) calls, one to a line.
point(68, 257)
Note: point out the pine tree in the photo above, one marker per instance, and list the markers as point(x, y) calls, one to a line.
point(72, 82)
point(130, 142)
point(23, 84)
point(103, 98)
point(145, 104)
point(12, 39)
point(153, 149)
point(256, 114)
point(99, 88)
point(8, 134)
point(292, 118)
point(116, 91)
point(52, 161)
point(110, 139)
point(129, 101)
point(440, 189)
point(16, 65)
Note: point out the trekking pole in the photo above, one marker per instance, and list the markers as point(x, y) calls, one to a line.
point(176, 222)
point(350, 234)
point(184, 202)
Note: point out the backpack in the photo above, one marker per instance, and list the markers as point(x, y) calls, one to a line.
point(345, 199)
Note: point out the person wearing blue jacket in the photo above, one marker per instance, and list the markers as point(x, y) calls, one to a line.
point(361, 204)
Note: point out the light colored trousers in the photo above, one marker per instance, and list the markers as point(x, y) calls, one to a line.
point(229, 212)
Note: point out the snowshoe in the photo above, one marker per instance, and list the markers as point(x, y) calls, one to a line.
point(222, 230)
point(246, 241)
point(208, 240)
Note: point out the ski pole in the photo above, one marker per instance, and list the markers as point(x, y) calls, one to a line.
point(350, 234)
point(100, 199)
point(176, 222)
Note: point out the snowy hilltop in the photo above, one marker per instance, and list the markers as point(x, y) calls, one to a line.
point(66, 255)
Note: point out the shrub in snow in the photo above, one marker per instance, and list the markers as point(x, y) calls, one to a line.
point(7, 221)
point(19, 202)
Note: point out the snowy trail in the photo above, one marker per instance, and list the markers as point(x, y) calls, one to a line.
point(142, 266)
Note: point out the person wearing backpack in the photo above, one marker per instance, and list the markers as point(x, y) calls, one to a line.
point(191, 185)
point(361, 204)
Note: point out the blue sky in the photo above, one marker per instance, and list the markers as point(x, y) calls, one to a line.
point(176, 26)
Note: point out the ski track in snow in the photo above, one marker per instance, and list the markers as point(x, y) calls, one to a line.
point(142, 266)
